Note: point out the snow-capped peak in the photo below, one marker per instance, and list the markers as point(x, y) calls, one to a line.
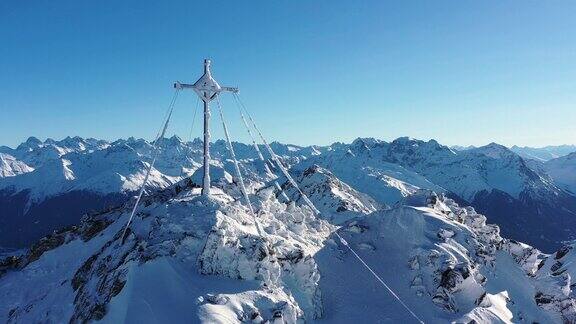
point(495, 151)
point(330, 195)
point(31, 143)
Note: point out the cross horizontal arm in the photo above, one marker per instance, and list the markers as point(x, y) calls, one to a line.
point(230, 89)
point(179, 85)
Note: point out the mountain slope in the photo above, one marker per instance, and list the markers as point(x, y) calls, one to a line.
point(10, 166)
point(563, 171)
point(443, 260)
point(192, 259)
point(176, 237)
point(361, 166)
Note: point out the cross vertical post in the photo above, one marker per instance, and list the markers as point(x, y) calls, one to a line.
point(206, 179)
point(207, 89)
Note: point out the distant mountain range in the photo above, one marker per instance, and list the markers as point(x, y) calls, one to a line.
point(46, 185)
point(541, 154)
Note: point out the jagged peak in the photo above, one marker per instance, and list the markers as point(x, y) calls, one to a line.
point(410, 141)
point(33, 140)
point(405, 139)
point(405, 145)
point(360, 144)
point(176, 139)
point(30, 143)
point(369, 141)
point(71, 141)
point(196, 140)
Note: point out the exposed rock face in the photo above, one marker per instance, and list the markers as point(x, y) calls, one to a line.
point(50, 242)
point(101, 278)
point(555, 290)
point(9, 263)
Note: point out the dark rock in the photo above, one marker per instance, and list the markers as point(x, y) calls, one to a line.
point(542, 299)
point(9, 263)
point(91, 228)
point(556, 266)
point(293, 256)
point(45, 244)
point(480, 299)
point(562, 252)
point(452, 277)
point(81, 275)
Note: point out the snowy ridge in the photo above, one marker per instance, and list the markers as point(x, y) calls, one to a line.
point(35, 152)
point(10, 166)
point(464, 173)
point(103, 167)
point(330, 195)
point(446, 261)
point(115, 170)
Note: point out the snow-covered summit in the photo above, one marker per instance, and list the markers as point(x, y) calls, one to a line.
point(495, 151)
point(504, 170)
point(178, 237)
point(188, 258)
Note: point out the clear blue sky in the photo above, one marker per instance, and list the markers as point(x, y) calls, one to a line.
point(311, 72)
